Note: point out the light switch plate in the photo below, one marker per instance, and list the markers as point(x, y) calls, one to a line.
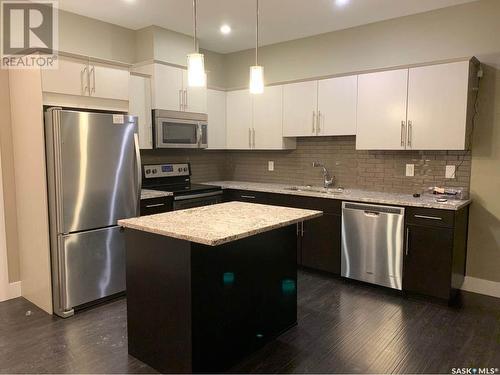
point(270, 165)
point(410, 170)
point(450, 171)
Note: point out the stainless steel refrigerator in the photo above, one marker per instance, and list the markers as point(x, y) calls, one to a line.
point(94, 179)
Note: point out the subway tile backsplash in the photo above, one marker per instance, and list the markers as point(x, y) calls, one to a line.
point(371, 170)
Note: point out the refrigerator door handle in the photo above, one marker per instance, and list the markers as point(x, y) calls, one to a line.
point(139, 176)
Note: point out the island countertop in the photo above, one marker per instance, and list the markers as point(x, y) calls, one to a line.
point(220, 223)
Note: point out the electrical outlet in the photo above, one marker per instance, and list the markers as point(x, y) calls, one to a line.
point(410, 170)
point(450, 171)
point(270, 165)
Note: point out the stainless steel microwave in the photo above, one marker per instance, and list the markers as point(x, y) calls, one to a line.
point(174, 129)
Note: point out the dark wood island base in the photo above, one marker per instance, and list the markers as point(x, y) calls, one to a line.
point(200, 308)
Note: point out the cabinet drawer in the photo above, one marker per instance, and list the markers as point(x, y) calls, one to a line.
point(245, 196)
point(158, 205)
point(328, 206)
point(430, 217)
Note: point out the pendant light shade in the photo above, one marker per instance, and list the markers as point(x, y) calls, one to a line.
point(195, 61)
point(256, 79)
point(196, 70)
point(257, 71)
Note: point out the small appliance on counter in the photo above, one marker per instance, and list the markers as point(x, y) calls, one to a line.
point(443, 194)
point(176, 178)
point(175, 129)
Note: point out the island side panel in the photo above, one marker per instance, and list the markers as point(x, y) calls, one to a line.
point(159, 300)
point(244, 295)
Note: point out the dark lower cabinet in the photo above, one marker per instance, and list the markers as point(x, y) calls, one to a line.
point(435, 252)
point(318, 240)
point(158, 205)
point(320, 243)
point(435, 241)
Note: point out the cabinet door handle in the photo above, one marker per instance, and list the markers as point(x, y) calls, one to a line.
point(302, 229)
point(180, 100)
point(249, 138)
point(155, 205)
point(407, 241)
point(314, 119)
point(185, 100)
point(428, 217)
point(247, 196)
point(410, 135)
point(82, 80)
point(318, 125)
point(93, 80)
point(253, 140)
point(403, 123)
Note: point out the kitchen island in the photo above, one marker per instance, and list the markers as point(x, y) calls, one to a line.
point(208, 285)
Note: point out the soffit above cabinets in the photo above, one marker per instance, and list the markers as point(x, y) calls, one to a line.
point(281, 20)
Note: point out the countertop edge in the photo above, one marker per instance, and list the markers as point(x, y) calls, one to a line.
point(125, 224)
point(239, 185)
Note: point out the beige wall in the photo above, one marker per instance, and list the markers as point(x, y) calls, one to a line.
point(9, 187)
point(90, 37)
point(214, 65)
point(465, 30)
point(484, 232)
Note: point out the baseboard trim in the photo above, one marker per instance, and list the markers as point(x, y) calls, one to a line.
point(481, 286)
point(12, 290)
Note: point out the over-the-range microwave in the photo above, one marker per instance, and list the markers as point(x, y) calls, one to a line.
point(175, 129)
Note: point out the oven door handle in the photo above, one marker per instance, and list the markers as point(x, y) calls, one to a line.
point(202, 195)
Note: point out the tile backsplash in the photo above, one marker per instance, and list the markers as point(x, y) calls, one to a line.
point(371, 170)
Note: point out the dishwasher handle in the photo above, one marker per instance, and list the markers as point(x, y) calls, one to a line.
point(373, 210)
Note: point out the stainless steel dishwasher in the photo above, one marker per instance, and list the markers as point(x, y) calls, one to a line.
point(372, 243)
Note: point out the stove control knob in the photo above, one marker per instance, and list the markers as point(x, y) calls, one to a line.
point(179, 169)
point(185, 169)
point(154, 171)
point(148, 171)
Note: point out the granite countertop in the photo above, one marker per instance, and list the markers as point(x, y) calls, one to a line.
point(148, 194)
point(219, 223)
point(353, 195)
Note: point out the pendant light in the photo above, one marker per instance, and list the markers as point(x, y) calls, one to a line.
point(195, 61)
point(257, 71)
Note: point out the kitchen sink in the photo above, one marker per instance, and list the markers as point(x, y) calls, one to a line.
point(316, 189)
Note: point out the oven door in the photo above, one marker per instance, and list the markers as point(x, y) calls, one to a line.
point(177, 133)
point(197, 200)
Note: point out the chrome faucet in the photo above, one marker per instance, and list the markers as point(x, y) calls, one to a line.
point(328, 180)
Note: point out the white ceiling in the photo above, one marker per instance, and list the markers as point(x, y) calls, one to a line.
point(280, 20)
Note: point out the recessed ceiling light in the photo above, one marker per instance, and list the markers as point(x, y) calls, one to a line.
point(225, 29)
point(341, 3)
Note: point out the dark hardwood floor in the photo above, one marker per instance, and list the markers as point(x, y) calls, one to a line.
point(343, 327)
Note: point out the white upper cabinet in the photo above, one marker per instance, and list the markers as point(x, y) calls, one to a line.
point(195, 98)
point(216, 109)
point(171, 90)
point(337, 98)
point(381, 110)
point(437, 106)
point(268, 120)
point(70, 78)
point(239, 122)
point(108, 82)
point(140, 106)
point(300, 103)
point(422, 108)
point(83, 78)
point(167, 88)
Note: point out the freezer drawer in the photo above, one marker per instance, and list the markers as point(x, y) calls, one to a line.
point(372, 243)
point(94, 266)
